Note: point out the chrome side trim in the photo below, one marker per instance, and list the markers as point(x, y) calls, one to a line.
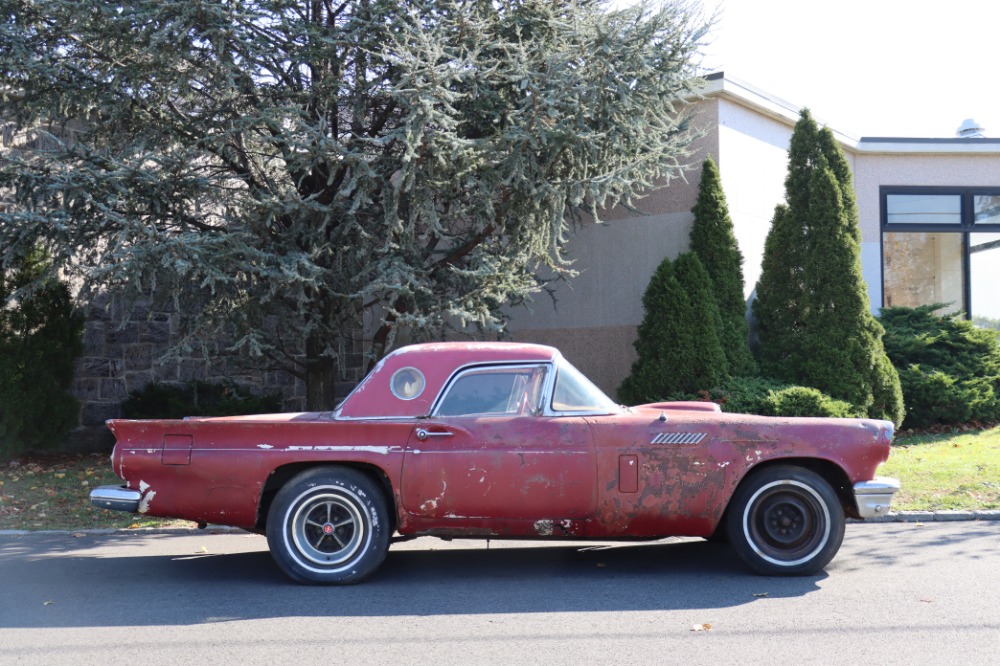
point(873, 497)
point(115, 498)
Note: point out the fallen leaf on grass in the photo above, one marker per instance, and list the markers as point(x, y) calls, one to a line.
point(133, 526)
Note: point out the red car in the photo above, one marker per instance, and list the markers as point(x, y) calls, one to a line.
point(494, 440)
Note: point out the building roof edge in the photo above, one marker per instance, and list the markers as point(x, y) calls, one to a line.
point(719, 84)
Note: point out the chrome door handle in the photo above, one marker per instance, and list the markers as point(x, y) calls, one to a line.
point(423, 433)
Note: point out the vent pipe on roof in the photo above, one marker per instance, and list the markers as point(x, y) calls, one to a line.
point(970, 129)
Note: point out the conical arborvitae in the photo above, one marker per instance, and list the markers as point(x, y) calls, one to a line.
point(779, 297)
point(814, 318)
point(677, 345)
point(714, 241)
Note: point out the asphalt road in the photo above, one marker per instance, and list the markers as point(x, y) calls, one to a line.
point(898, 593)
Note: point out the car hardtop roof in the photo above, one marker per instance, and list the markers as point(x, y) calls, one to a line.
point(482, 351)
point(436, 362)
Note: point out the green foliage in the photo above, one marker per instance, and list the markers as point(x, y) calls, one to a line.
point(949, 367)
point(714, 241)
point(840, 336)
point(39, 340)
point(814, 318)
point(888, 401)
point(777, 306)
point(416, 163)
point(171, 401)
point(739, 395)
point(803, 401)
point(768, 397)
point(677, 343)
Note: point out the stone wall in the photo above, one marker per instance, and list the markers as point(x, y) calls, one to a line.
point(119, 359)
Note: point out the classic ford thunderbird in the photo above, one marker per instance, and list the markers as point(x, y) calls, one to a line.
point(504, 440)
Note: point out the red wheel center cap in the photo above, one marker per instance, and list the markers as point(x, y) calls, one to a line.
point(328, 529)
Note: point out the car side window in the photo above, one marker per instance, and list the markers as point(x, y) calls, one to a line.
point(575, 393)
point(496, 390)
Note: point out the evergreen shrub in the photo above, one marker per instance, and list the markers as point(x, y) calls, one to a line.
point(713, 239)
point(814, 322)
point(739, 395)
point(172, 401)
point(805, 401)
point(949, 368)
point(40, 338)
point(677, 342)
point(769, 397)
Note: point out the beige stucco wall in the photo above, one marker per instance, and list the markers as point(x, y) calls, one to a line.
point(873, 171)
point(595, 315)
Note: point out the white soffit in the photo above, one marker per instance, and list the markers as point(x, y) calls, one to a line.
point(746, 95)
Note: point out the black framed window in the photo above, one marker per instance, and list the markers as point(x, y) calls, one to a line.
point(942, 245)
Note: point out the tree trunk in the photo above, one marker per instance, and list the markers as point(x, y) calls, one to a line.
point(319, 376)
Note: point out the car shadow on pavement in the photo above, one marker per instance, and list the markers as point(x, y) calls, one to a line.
point(196, 587)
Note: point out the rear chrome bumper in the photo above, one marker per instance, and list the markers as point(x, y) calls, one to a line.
point(116, 498)
point(873, 497)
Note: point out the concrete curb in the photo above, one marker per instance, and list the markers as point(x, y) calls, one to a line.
point(932, 516)
point(891, 517)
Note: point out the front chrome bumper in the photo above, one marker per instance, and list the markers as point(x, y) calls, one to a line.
point(873, 497)
point(116, 498)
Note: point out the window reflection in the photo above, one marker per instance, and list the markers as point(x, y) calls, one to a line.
point(987, 209)
point(499, 390)
point(923, 268)
point(924, 209)
point(575, 393)
point(984, 272)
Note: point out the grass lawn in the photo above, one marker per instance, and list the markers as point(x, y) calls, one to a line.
point(52, 493)
point(951, 471)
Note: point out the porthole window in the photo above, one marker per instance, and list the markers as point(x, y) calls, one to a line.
point(407, 383)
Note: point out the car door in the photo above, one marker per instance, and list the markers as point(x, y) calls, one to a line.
point(488, 457)
point(659, 476)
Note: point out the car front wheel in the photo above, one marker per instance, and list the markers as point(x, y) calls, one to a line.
point(329, 525)
point(786, 520)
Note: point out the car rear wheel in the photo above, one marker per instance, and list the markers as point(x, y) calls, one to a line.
point(786, 521)
point(329, 525)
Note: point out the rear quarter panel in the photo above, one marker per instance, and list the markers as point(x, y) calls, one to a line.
point(230, 462)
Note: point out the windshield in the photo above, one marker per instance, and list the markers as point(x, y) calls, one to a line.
point(575, 393)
